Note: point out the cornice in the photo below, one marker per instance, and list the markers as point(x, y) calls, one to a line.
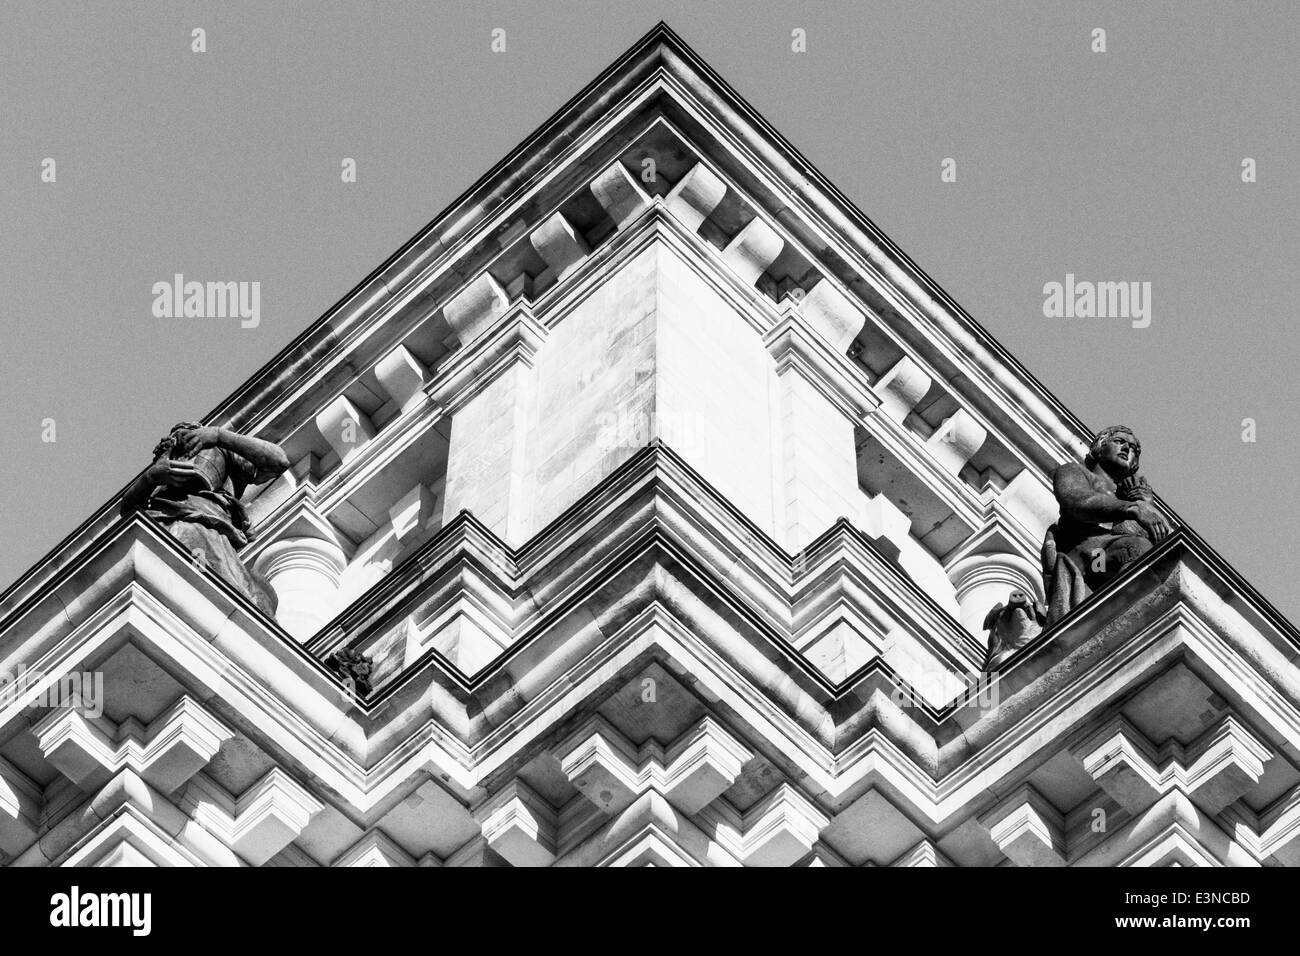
point(678, 604)
point(657, 73)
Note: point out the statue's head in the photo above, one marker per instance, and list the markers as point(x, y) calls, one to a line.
point(164, 447)
point(1117, 449)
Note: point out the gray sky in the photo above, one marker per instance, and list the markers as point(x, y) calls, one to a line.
point(1121, 166)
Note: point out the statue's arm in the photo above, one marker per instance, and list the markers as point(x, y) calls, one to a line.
point(1081, 501)
point(163, 472)
point(267, 457)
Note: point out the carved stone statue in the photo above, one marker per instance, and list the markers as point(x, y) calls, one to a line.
point(1011, 626)
point(1108, 520)
point(193, 488)
point(354, 667)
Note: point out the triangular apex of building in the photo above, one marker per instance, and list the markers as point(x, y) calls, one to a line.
point(649, 506)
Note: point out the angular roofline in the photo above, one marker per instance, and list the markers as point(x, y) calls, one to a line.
point(658, 48)
point(523, 161)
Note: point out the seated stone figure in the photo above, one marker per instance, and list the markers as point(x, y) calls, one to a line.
point(1108, 520)
point(193, 488)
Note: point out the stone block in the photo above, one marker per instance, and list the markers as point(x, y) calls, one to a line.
point(1027, 828)
point(261, 822)
point(781, 828)
point(403, 377)
point(619, 194)
point(475, 307)
point(957, 440)
point(519, 825)
point(702, 764)
point(602, 766)
point(753, 249)
point(345, 427)
point(832, 314)
point(695, 195)
point(559, 244)
point(176, 745)
point(901, 388)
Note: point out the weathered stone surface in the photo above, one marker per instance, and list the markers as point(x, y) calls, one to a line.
point(1108, 521)
point(619, 194)
point(193, 487)
point(661, 565)
point(695, 195)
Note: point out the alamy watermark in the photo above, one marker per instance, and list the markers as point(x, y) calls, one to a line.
point(979, 691)
point(1075, 299)
point(75, 909)
point(208, 300)
point(76, 690)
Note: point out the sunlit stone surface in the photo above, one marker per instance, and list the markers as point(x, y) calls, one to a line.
point(633, 519)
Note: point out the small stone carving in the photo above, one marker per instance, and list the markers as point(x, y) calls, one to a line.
point(1011, 626)
point(193, 488)
point(354, 667)
point(1108, 520)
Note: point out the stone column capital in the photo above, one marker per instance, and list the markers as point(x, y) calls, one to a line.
point(315, 555)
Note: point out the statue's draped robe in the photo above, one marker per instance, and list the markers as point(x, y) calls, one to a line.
point(1072, 569)
point(211, 522)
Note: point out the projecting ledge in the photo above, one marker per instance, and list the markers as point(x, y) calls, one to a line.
point(797, 348)
point(515, 338)
point(1179, 601)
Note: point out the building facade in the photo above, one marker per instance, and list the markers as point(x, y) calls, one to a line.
point(647, 508)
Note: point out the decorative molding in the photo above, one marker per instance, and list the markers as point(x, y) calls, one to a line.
point(695, 195)
point(261, 821)
point(560, 245)
point(1027, 828)
point(924, 854)
point(778, 830)
point(902, 388)
point(403, 377)
point(795, 346)
point(177, 744)
point(696, 769)
point(1216, 769)
point(345, 427)
point(519, 825)
point(375, 849)
point(619, 194)
point(830, 312)
point(475, 307)
point(515, 338)
point(956, 440)
point(753, 249)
